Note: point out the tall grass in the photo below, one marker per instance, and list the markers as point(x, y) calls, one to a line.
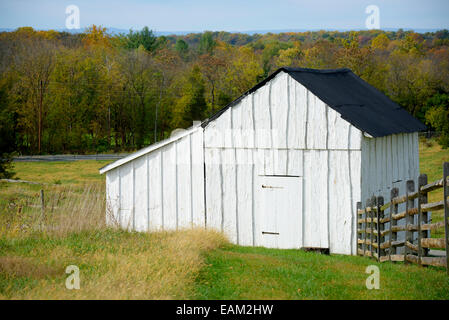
point(66, 209)
point(36, 247)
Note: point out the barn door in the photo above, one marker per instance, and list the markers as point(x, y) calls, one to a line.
point(281, 205)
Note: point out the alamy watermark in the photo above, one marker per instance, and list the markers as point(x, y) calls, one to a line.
point(73, 280)
point(373, 20)
point(72, 20)
point(373, 281)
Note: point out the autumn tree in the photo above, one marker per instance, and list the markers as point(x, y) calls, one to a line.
point(191, 106)
point(138, 69)
point(33, 62)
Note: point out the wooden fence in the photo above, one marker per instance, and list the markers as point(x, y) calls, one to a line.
point(378, 224)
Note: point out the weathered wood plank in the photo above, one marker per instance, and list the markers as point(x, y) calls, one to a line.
point(403, 214)
point(393, 210)
point(368, 220)
point(374, 208)
point(393, 244)
point(432, 186)
point(411, 246)
point(385, 206)
point(409, 227)
point(433, 243)
point(397, 257)
point(432, 226)
point(359, 230)
point(432, 206)
point(434, 261)
point(412, 258)
point(402, 199)
point(380, 227)
point(422, 199)
point(385, 220)
point(446, 212)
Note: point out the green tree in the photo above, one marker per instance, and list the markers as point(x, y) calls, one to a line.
point(144, 37)
point(437, 116)
point(7, 131)
point(207, 43)
point(192, 105)
point(182, 48)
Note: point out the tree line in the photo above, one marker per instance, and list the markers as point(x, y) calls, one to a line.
point(98, 92)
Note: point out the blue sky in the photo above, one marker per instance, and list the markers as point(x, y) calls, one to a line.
point(228, 15)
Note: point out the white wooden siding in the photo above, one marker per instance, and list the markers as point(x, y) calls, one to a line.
point(161, 190)
point(309, 139)
point(126, 196)
point(389, 162)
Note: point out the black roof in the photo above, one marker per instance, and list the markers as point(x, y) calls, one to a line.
point(359, 103)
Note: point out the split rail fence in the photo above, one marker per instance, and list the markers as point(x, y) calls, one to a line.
point(378, 224)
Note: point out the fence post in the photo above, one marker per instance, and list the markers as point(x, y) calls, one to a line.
point(393, 210)
point(380, 227)
point(373, 207)
point(408, 217)
point(422, 217)
point(359, 228)
point(42, 208)
point(446, 210)
point(365, 238)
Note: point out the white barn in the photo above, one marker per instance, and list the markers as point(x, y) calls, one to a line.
point(282, 166)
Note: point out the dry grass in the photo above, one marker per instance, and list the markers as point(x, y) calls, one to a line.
point(147, 266)
point(36, 248)
point(67, 209)
point(25, 267)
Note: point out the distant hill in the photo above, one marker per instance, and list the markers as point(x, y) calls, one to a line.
point(116, 31)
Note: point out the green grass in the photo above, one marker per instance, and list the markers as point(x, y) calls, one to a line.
point(237, 272)
point(431, 159)
point(65, 173)
point(74, 175)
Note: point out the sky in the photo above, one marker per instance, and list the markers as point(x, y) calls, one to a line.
point(226, 15)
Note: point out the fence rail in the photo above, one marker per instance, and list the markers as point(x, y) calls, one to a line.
point(378, 224)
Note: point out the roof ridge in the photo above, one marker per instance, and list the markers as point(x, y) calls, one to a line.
point(338, 70)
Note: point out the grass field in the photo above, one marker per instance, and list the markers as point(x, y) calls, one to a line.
point(36, 248)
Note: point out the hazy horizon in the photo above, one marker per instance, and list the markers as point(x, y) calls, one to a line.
point(232, 16)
